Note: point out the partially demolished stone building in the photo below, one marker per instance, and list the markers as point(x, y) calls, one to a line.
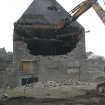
point(67, 61)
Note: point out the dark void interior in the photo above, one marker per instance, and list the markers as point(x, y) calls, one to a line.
point(50, 46)
point(50, 41)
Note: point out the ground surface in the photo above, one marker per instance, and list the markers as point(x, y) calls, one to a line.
point(52, 91)
point(90, 98)
point(54, 95)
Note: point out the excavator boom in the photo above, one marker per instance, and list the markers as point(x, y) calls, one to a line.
point(100, 11)
point(81, 8)
point(84, 6)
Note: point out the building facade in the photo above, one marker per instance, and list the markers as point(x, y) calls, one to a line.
point(72, 65)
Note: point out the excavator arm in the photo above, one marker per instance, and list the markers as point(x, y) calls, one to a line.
point(84, 6)
point(100, 11)
point(77, 11)
point(81, 8)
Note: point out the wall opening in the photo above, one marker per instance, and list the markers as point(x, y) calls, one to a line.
point(28, 79)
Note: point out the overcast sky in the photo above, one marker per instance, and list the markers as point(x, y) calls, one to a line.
point(11, 10)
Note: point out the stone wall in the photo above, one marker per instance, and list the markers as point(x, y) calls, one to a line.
point(96, 70)
point(69, 66)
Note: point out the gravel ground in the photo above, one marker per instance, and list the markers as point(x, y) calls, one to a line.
point(50, 89)
point(54, 95)
point(91, 98)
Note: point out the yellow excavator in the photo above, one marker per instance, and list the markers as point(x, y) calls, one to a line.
point(84, 6)
point(80, 9)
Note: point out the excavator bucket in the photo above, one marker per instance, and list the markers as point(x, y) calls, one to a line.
point(47, 28)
